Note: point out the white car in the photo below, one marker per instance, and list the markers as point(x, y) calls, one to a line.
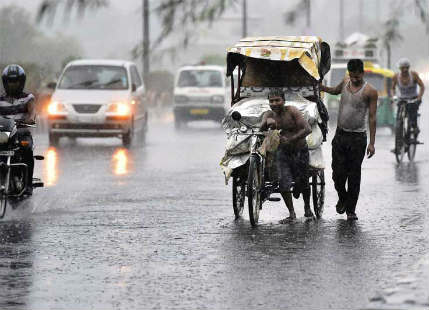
point(98, 98)
point(200, 93)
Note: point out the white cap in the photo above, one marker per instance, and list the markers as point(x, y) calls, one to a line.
point(403, 62)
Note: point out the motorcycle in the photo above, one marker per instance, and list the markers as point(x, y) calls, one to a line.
point(13, 170)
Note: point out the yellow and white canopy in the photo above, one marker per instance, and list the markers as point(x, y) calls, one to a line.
point(306, 49)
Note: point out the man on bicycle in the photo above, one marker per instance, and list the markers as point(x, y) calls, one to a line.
point(292, 155)
point(407, 82)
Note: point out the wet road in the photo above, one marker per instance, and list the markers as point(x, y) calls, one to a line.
point(152, 228)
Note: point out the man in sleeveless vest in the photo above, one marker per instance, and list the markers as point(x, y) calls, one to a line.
point(16, 104)
point(407, 82)
point(358, 103)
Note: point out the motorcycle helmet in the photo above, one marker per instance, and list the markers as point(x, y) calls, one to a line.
point(13, 78)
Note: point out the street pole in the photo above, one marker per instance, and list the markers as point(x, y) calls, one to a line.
point(308, 7)
point(341, 20)
point(360, 15)
point(244, 19)
point(146, 39)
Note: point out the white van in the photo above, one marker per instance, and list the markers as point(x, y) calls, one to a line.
point(200, 93)
point(98, 98)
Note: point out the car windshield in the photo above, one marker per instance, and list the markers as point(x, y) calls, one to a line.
point(375, 80)
point(94, 77)
point(200, 78)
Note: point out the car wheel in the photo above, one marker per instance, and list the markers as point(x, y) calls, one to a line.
point(127, 138)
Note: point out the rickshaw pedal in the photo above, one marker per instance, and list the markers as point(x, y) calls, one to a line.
point(274, 199)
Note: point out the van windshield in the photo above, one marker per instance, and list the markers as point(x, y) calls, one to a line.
point(200, 78)
point(94, 77)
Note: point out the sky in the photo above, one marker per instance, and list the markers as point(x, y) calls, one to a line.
point(112, 32)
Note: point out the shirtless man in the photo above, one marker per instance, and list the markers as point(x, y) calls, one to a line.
point(358, 99)
point(292, 155)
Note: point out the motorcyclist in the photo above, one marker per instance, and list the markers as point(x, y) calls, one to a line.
point(16, 104)
point(407, 82)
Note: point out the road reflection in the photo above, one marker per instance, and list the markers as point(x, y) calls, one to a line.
point(16, 264)
point(407, 173)
point(121, 162)
point(51, 167)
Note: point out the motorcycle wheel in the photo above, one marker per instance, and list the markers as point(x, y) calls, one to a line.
point(254, 190)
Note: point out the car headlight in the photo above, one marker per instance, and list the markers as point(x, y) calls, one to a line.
point(120, 108)
point(180, 99)
point(56, 107)
point(218, 99)
point(4, 137)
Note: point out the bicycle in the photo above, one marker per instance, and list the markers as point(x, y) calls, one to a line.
point(405, 133)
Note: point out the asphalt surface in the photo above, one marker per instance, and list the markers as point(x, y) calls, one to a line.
point(153, 228)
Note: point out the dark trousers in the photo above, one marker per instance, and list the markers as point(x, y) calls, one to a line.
point(413, 110)
point(27, 152)
point(348, 151)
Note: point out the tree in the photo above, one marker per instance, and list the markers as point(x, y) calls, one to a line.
point(21, 42)
point(390, 35)
point(303, 7)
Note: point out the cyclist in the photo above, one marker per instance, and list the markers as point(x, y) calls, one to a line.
point(407, 82)
point(17, 104)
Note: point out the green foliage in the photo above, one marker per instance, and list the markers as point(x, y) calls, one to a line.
point(41, 57)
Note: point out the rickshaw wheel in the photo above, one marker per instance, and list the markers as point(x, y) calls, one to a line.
point(318, 192)
point(238, 195)
point(254, 190)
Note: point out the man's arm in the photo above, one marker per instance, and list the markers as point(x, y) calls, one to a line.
point(303, 129)
point(264, 123)
point(333, 90)
point(421, 85)
point(31, 114)
point(394, 83)
point(372, 120)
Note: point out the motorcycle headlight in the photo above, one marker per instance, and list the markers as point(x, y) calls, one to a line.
point(218, 99)
point(4, 137)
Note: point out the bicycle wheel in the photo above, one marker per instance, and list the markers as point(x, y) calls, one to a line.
point(318, 192)
point(238, 195)
point(412, 147)
point(254, 190)
point(400, 135)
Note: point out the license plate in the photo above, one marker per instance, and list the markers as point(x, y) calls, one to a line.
point(199, 111)
point(7, 153)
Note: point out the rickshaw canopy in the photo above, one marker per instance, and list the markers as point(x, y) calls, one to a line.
point(306, 56)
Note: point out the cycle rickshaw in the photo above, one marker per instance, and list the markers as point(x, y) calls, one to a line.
point(296, 65)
